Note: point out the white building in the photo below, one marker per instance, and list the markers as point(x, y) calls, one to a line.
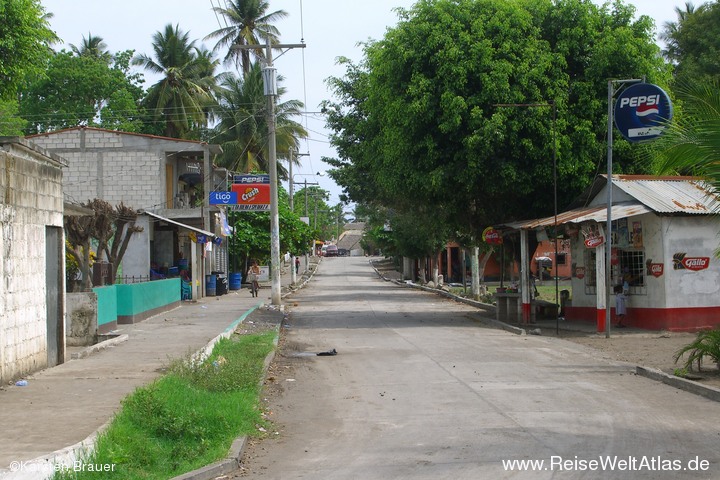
point(665, 234)
point(32, 270)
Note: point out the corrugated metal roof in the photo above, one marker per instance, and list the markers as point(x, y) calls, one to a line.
point(670, 195)
point(584, 214)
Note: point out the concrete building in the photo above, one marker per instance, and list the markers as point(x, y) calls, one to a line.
point(665, 234)
point(167, 178)
point(32, 270)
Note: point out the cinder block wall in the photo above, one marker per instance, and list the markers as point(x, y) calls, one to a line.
point(30, 199)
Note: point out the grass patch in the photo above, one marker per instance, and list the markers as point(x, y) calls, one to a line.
point(188, 418)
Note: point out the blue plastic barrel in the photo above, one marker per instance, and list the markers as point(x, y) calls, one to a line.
point(235, 281)
point(210, 285)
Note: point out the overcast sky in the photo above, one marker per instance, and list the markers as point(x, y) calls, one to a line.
point(329, 28)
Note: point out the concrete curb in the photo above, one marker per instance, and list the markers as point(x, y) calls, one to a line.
point(111, 342)
point(690, 386)
point(711, 393)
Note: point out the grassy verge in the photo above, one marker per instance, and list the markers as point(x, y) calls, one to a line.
point(186, 419)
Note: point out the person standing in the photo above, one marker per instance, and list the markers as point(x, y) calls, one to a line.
point(297, 265)
point(620, 305)
point(253, 274)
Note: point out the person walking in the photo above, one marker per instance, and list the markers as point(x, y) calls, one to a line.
point(297, 265)
point(252, 276)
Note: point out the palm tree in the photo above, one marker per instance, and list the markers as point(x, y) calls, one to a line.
point(181, 97)
point(242, 128)
point(92, 46)
point(691, 145)
point(248, 24)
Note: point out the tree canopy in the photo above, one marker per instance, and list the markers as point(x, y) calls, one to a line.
point(417, 121)
point(25, 40)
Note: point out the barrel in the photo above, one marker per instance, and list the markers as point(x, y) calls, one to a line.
point(183, 264)
point(210, 285)
point(235, 281)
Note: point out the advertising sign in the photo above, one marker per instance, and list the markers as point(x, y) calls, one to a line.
point(492, 236)
point(252, 197)
point(251, 179)
point(641, 111)
point(223, 198)
point(683, 262)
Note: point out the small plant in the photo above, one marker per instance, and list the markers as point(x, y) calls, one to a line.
point(680, 372)
point(707, 344)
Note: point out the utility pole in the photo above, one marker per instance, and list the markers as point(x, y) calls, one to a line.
point(270, 84)
point(293, 274)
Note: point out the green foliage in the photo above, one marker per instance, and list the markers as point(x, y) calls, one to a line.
point(11, 125)
point(416, 121)
point(694, 42)
point(83, 90)
point(242, 130)
point(251, 239)
point(188, 418)
point(691, 144)
point(180, 99)
point(25, 39)
point(706, 345)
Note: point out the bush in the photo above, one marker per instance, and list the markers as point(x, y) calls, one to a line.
point(707, 344)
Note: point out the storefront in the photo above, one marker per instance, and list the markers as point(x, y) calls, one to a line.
point(664, 235)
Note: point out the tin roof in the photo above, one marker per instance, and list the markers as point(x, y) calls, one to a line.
point(597, 213)
point(670, 194)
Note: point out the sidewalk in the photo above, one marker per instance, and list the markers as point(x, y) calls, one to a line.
point(64, 405)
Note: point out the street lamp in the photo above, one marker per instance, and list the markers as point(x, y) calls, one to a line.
point(552, 104)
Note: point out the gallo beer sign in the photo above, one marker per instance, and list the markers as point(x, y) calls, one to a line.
point(641, 112)
point(682, 262)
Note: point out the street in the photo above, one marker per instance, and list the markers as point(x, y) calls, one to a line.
point(420, 388)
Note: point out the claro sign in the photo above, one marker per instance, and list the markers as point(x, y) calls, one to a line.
point(641, 112)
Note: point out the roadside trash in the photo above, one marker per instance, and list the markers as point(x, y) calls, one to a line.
point(204, 306)
point(329, 353)
point(21, 383)
point(535, 332)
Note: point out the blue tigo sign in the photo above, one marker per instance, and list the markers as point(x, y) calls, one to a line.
point(642, 111)
point(250, 179)
point(223, 198)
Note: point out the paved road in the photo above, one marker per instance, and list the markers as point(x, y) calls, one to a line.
point(421, 389)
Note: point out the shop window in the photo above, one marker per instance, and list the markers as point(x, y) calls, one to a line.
point(631, 270)
point(590, 269)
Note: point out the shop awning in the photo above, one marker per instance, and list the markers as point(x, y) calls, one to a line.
point(181, 225)
point(596, 213)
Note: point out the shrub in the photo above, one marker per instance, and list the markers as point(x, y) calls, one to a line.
point(707, 344)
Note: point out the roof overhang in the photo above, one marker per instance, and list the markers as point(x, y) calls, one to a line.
point(179, 224)
point(597, 213)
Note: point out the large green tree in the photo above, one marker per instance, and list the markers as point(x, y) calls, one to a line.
point(417, 121)
point(84, 89)
point(693, 42)
point(25, 39)
point(247, 23)
point(182, 96)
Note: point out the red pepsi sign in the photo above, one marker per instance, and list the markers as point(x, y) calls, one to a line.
point(642, 111)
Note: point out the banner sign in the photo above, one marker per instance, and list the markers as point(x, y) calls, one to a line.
point(223, 198)
point(251, 179)
point(641, 112)
point(252, 195)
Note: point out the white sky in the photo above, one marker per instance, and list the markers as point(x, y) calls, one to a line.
point(330, 29)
